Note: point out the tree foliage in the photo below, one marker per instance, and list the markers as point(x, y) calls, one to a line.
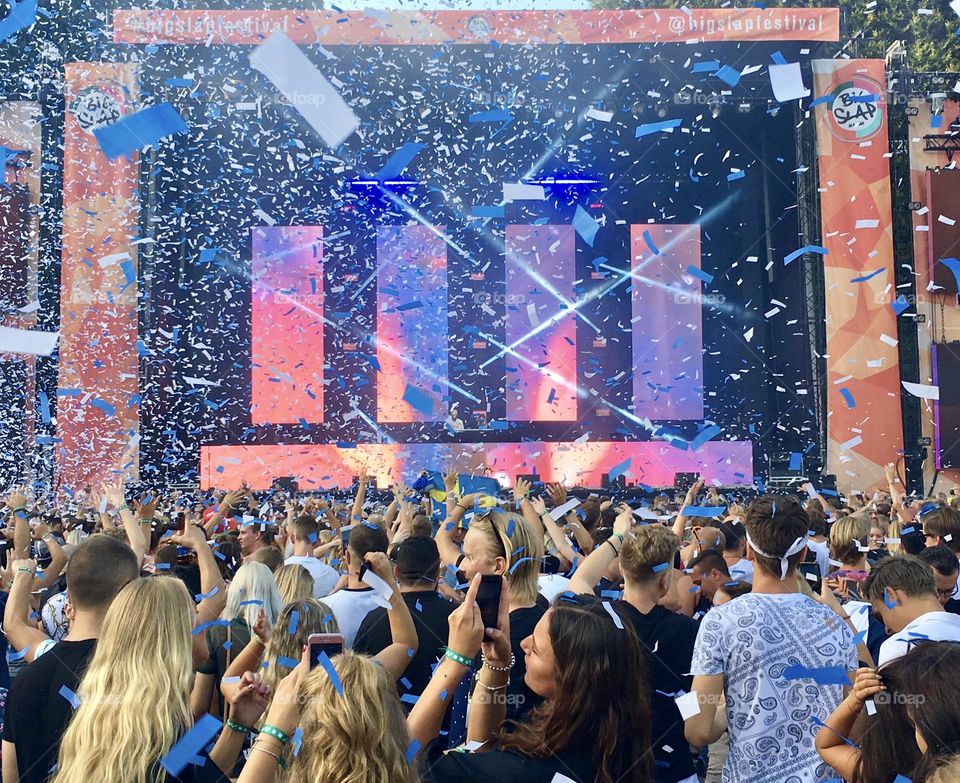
point(928, 28)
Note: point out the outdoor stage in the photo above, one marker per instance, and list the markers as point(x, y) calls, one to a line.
point(589, 230)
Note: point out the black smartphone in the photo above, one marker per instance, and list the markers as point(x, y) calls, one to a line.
point(363, 570)
point(811, 572)
point(488, 601)
point(329, 643)
point(181, 522)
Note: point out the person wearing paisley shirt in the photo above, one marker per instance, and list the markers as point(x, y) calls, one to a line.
point(766, 656)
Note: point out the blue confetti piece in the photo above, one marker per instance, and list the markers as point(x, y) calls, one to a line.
point(954, 266)
point(191, 744)
point(72, 699)
point(139, 129)
point(821, 99)
point(827, 675)
point(707, 66)
point(15, 655)
point(585, 225)
point(887, 601)
point(796, 461)
point(44, 407)
point(203, 596)
point(211, 624)
point(651, 245)
point(657, 127)
point(735, 175)
point(418, 400)
point(728, 75)
point(412, 750)
point(290, 663)
point(659, 568)
point(252, 602)
point(106, 407)
point(706, 277)
point(399, 161)
point(845, 392)
point(869, 276)
point(778, 58)
point(487, 211)
point(516, 565)
point(409, 698)
point(704, 511)
point(294, 622)
point(899, 305)
point(297, 741)
point(327, 665)
point(618, 470)
point(805, 249)
point(20, 17)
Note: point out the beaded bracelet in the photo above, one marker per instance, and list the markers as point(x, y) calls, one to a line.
point(487, 664)
point(240, 729)
point(456, 657)
point(273, 731)
point(124, 507)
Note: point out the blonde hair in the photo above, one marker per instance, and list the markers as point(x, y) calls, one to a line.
point(285, 647)
point(893, 531)
point(645, 550)
point(947, 771)
point(523, 549)
point(844, 532)
point(252, 582)
point(294, 582)
point(357, 737)
point(134, 697)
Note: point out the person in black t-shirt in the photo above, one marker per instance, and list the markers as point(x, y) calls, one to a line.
point(134, 700)
point(37, 711)
point(646, 561)
point(583, 660)
point(709, 572)
point(417, 568)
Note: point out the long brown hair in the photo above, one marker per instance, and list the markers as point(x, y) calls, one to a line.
point(602, 702)
point(888, 746)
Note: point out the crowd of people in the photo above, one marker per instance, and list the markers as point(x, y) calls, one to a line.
point(540, 635)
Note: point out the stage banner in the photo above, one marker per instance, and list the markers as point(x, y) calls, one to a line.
point(864, 428)
point(98, 387)
point(417, 28)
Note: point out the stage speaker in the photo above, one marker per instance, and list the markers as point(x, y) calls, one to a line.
point(286, 484)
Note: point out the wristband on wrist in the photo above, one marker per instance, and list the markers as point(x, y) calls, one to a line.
point(23, 570)
point(613, 547)
point(239, 728)
point(508, 667)
point(273, 731)
point(618, 536)
point(456, 657)
point(493, 688)
point(124, 507)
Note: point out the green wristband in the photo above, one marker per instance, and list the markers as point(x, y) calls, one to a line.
point(456, 657)
point(618, 536)
point(273, 731)
point(240, 729)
